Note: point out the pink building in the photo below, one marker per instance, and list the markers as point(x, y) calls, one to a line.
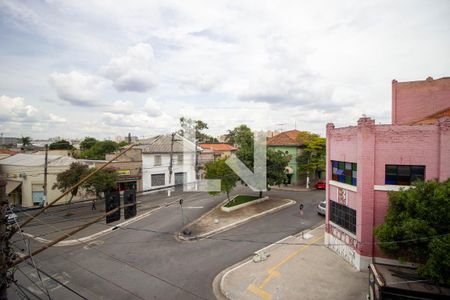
point(367, 160)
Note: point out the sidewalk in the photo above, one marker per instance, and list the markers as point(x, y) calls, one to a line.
point(292, 188)
point(297, 268)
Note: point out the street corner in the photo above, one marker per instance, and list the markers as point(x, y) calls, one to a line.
point(216, 220)
point(295, 267)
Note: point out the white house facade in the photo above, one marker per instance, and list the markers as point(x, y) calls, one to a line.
point(157, 169)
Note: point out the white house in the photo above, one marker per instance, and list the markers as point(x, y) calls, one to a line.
point(156, 165)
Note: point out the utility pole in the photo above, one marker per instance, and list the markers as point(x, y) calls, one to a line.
point(171, 158)
point(45, 174)
point(5, 251)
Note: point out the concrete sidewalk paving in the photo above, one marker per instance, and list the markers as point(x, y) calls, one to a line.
point(292, 188)
point(297, 268)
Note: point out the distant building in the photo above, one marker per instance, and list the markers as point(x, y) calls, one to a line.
point(156, 155)
point(10, 142)
point(25, 177)
point(288, 143)
point(220, 150)
point(366, 161)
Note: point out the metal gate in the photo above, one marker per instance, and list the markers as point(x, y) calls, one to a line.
point(180, 179)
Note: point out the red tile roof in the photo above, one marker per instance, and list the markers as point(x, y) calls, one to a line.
point(218, 147)
point(7, 151)
point(286, 138)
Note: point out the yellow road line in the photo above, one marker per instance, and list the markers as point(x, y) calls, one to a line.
point(272, 272)
point(259, 292)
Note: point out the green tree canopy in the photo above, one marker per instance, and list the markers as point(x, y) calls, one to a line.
point(67, 179)
point(26, 141)
point(87, 143)
point(417, 228)
point(61, 145)
point(241, 136)
point(312, 159)
point(99, 150)
point(220, 170)
point(102, 181)
point(277, 161)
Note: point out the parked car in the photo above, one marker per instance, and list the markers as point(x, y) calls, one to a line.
point(11, 217)
point(320, 185)
point(322, 208)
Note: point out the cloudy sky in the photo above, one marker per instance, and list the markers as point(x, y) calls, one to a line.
point(106, 68)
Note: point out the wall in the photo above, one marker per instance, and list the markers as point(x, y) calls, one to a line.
point(372, 147)
point(148, 168)
point(415, 100)
point(35, 176)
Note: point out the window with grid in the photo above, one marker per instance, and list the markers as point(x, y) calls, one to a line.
point(343, 216)
point(157, 160)
point(158, 179)
point(403, 175)
point(344, 172)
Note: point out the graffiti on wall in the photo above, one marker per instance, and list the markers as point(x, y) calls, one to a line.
point(342, 196)
point(342, 243)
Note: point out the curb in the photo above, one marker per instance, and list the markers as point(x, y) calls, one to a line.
point(230, 226)
point(94, 236)
point(291, 189)
point(217, 284)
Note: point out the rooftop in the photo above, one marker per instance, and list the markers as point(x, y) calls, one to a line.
point(218, 147)
point(286, 138)
point(163, 144)
point(36, 160)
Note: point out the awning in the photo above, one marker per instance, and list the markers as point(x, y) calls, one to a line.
point(12, 185)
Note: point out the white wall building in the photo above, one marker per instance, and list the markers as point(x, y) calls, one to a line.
point(156, 154)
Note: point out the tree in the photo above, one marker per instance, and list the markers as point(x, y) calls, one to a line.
point(195, 127)
point(99, 150)
point(61, 145)
point(312, 159)
point(65, 180)
point(417, 228)
point(102, 181)
point(241, 136)
point(87, 143)
point(277, 161)
point(220, 170)
point(26, 141)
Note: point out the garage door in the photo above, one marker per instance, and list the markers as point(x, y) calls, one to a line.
point(180, 179)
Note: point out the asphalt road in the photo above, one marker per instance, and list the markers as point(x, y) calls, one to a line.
point(145, 261)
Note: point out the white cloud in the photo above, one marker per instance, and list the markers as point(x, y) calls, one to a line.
point(133, 72)
point(56, 119)
point(125, 107)
point(78, 88)
point(15, 109)
point(152, 108)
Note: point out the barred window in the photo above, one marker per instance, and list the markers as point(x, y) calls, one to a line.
point(343, 216)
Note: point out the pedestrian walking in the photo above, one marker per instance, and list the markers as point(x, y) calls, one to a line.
point(93, 205)
point(301, 209)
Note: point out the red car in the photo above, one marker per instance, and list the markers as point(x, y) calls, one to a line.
point(320, 185)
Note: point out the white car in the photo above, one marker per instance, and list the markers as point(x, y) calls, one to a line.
point(322, 208)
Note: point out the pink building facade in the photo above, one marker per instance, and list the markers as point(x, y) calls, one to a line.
point(366, 161)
